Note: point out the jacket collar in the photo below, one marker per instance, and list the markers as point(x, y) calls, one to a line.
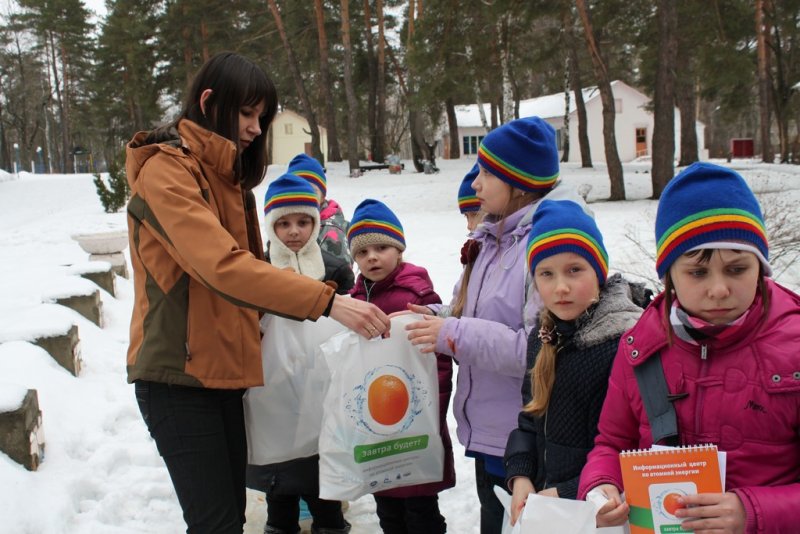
point(212, 150)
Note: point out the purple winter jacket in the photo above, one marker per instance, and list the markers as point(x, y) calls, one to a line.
point(744, 397)
point(490, 339)
point(409, 284)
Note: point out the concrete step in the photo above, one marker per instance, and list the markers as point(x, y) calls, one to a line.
point(90, 306)
point(64, 348)
point(21, 433)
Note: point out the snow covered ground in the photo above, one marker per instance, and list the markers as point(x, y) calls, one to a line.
point(101, 473)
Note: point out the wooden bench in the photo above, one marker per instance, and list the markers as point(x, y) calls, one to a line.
point(378, 167)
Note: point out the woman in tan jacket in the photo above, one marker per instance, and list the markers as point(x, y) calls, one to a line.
point(201, 283)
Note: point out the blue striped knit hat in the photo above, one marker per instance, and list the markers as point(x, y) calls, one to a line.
point(308, 168)
point(290, 191)
point(562, 226)
point(373, 223)
point(708, 206)
point(467, 198)
point(522, 153)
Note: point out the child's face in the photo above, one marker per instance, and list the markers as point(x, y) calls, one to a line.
point(567, 284)
point(720, 290)
point(493, 193)
point(473, 218)
point(376, 262)
point(294, 230)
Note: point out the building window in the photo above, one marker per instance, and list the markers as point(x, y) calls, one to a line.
point(561, 135)
point(471, 143)
point(287, 128)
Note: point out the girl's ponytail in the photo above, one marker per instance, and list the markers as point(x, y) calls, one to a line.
point(543, 374)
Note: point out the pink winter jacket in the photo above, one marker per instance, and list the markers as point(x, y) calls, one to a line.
point(744, 397)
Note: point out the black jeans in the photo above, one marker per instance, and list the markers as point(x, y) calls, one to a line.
point(491, 508)
point(283, 512)
point(200, 434)
point(410, 515)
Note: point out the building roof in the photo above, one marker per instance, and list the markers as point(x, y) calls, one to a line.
point(546, 107)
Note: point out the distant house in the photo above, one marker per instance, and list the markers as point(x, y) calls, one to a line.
point(633, 124)
point(289, 136)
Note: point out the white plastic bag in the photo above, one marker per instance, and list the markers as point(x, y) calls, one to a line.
point(551, 514)
point(284, 416)
point(380, 426)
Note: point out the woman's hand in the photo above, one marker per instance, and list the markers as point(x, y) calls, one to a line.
point(425, 332)
point(712, 512)
point(521, 488)
point(549, 492)
point(615, 512)
point(361, 317)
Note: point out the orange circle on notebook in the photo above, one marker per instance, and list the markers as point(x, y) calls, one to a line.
point(671, 504)
point(387, 399)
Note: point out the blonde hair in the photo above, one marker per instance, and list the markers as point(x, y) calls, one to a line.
point(515, 203)
point(543, 374)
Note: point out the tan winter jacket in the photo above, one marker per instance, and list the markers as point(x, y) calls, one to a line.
point(199, 276)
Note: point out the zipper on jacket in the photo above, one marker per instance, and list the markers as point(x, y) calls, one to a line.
point(700, 390)
point(544, 459)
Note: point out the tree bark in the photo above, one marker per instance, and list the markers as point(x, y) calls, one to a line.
point(352, 103)
point(576, 84)
point(327, 88)
point(764, 86)
point(505, 62)
point(664, 98)
point(379, 153)
point(607, 97)
point(372, 72)
point(308, 111)
point(685, 97)
point(452, 125)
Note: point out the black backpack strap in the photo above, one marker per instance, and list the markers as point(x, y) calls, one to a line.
point(657, 400)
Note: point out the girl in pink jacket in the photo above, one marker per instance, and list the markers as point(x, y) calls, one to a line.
point(728, 339)
point(377, 243)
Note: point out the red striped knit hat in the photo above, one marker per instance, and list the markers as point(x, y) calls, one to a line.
point(708, 206)
point(522, 153)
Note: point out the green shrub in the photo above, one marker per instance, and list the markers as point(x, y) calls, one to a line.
point(115, 195)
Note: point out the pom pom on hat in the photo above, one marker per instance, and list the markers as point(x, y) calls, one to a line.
point(373, 223)
point(562, 226)
point(308, 168)
point(290, 191)
point(707, 206)
point(522, 153)
point(467, 198)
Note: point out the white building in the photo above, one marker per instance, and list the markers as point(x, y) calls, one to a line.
point(289, 137)
point(633, 124)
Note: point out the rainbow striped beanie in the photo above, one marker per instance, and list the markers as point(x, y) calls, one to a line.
point(562, 226)
point(373, 223)
point(290, 194)
point(467, 199)
point(708, 205)
point(522, 153)
point(308, 168)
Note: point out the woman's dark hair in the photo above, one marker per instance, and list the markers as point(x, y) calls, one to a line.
point(235, 81)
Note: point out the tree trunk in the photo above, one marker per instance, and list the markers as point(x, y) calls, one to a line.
point(62, 162)
point(299, 85)
point(327, 88)
point(565, 27)
point(352, 103)
point(204, 40)
point(664, 98)
point(687, 106)
point(452, 125)
point(607, 97)
point(186, 35)
point(505, 63)
point(379, 151)
point(372, 71)
point(764, 86)
point(576, 84)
